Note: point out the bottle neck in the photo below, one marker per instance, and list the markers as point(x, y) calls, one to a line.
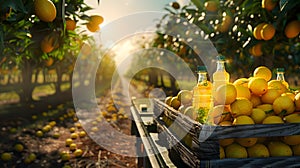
point(202, 76)
point(280, 76)
point(220, 65)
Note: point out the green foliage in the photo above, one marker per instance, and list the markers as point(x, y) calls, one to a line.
point(235, 38)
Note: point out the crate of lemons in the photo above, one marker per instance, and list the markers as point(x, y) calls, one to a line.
point(255, 100)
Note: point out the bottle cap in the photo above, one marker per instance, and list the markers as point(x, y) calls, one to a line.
point(221, 57)
point(280, 69)
point(201, 68)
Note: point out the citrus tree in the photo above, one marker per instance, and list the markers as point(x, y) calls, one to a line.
point(41, 35)
point(248, 33)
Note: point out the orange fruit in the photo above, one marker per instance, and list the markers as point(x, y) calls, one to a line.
point(70, 24)
point(96, 19)
point(256, 31)
point(263, 72)
point(45, 10)
point(49, 61)
point(211, 6)
point(48, 44)
point(175, 5)
point(258, 86)
point(292, 29)
point(92, 27)
point(268, 4)
point(256, 50)
point(267, 32)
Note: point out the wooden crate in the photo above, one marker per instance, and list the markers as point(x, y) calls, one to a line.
point(205, 152)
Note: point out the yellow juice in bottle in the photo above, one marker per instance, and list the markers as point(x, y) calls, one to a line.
point(280, 77)
point(220, 76)
point(202, 95)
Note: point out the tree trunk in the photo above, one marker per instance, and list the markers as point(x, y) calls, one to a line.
point(27, 85)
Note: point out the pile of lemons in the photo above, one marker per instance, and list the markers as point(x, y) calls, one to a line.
point(257, 100)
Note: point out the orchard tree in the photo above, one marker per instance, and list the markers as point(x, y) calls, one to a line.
point(248, 32)
point(39, 35)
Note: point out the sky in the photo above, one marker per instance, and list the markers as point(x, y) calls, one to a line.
point(114, 9)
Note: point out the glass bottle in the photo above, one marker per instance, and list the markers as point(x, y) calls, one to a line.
point(220, 76)
point(280, 77)
point(202, 95)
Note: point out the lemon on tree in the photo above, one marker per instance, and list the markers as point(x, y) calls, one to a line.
point(45, 10)
point(256, 31)
point(292, 29)
point(267, 32)
point(268, 4)
point(70, 24)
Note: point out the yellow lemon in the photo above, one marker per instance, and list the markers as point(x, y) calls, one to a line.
point(219, 113)
point(297, 101)
point(175, 103)
point(246, 142)
point(258, 86)
point(258, 115)
point(241, 106)
point(243, 120)
point(263, 72)
point(277, 148)
point(290, 95)
point(283, 105)
point(273, 120)
point(191, 112)
point(267, 108)
point(45, 10)
point(258, 150)
point(235, 151)
point(241, 82)
point(278, 85)
point(168, 100)
point(19, 147)
point(185, 97)
point(291, 140)
point(222, 153)
point(255, 100)
point(270, 96)
point(243, 92)
point(6, 156)
point(226, 142)
point(292, 118)
point(225, 94)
